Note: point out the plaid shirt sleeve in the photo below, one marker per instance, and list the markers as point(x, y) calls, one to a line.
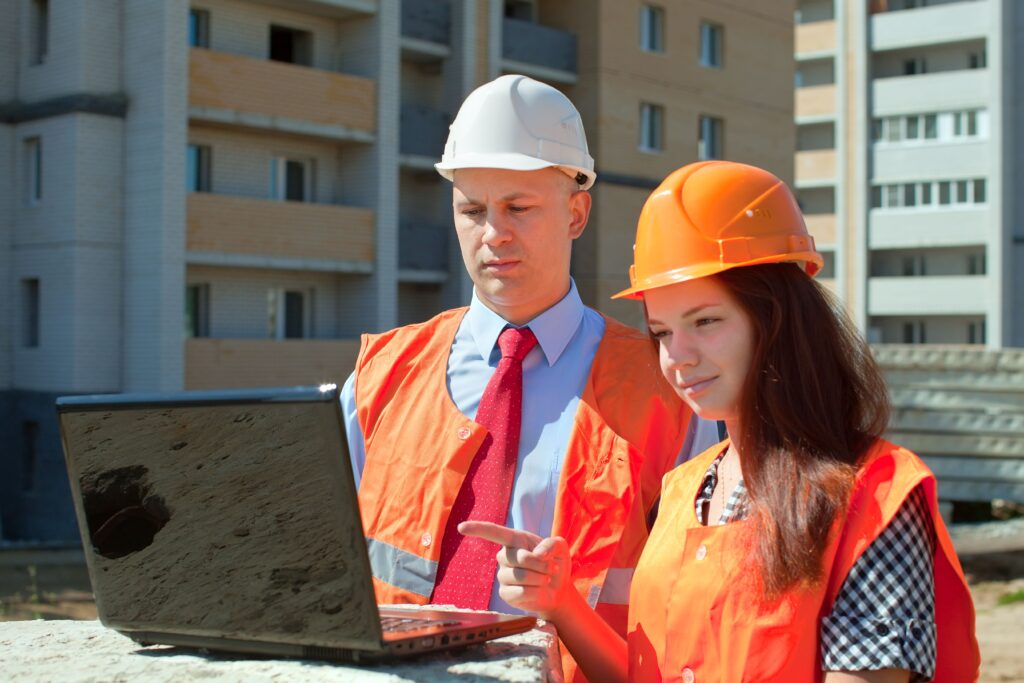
point(884, 615)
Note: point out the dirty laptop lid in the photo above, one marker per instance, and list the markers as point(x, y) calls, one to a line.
point(229, 520)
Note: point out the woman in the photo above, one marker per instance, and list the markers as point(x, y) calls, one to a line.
point(804, 548)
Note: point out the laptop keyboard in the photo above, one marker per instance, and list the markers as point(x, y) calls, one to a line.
point(399, 624)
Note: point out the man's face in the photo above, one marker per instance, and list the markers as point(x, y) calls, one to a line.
point(515, 231)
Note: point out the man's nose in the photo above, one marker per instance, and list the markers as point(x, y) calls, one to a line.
point(496, 229)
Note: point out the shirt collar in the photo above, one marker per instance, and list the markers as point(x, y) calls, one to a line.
point(554, 328)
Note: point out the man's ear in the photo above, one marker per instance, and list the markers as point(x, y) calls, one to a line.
point(579, 212)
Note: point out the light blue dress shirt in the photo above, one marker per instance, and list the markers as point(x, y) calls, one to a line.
point(554, 375)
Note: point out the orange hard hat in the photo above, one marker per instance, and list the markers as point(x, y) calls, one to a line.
point(712, 216)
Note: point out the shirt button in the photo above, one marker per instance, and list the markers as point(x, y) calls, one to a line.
point(688, 676)
point(426, 539)
point(882, 629)
point(702, 552)
point(463, 433)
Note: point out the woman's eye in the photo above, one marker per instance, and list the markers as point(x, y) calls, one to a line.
point(660, 334)
point(706, 321)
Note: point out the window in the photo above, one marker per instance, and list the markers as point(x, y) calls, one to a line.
point(912, 132)
point(828, 269)
point(945, 192)
point(977, 60)
point(892, 196)
point(972, 123)
point(289, 313)
point(979, 191)
point(39, 27)
point(910, 194)
point(892, 129)
point(524, 10)
point(709, 141)
point(961, 192)
point(197, 168)
point(652, 127)
point(198, 28)
point(30, 312)
point(652, 28)
point(30, 455)
point(33, 171)
point(197, 310)
point(876, 197)
point(913, 332)
point(926, 194)
point(976, 263)
point(291, 45)
point(931, 126)
point(291, 180)
point(917, 65)
point(711, 44)
point(913, 265)
point(976, 332)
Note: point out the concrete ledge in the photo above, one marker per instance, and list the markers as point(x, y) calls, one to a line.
point(86, 651)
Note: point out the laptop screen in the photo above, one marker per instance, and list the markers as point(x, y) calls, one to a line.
point(229, 515)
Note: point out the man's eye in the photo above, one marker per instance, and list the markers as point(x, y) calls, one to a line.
point(518, 209)
point(472, 212)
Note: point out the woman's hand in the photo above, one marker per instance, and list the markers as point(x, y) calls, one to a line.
point(533, 572)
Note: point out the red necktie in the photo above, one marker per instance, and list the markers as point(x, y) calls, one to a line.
point(465, 572)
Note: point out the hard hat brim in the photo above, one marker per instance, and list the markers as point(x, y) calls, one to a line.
point(810, 262)
point(507, 161)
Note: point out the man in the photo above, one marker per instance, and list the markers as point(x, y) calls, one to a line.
point(527, 408)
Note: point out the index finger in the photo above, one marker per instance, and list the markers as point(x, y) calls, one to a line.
point(495, 533)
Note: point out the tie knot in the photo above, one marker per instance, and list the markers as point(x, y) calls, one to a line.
point(516, 342)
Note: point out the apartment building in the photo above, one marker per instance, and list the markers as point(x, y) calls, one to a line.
point(225, 193)
point(908, 163)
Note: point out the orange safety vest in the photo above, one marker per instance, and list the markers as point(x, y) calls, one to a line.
point(693, 617)
point(629, 428)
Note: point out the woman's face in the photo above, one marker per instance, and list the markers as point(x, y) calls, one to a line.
point(705, 344)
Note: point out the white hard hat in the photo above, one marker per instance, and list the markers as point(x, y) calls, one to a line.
point(517, 123)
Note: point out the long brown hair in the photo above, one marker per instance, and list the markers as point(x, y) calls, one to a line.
point(813, 404)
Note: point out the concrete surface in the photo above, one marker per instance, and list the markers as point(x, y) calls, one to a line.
point(79, 651)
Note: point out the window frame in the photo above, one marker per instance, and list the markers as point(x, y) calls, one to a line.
point(199, 28)
point(279, 178)
point(716, 126)
point(31, 312)
point(652, 28)
point(652, 128)
point(198, 168)
point(711, 45)
point(32, 148)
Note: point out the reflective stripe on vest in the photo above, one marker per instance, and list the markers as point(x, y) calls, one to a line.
point(615, 590)
point(401, 569)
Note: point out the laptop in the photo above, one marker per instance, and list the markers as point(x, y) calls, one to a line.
point(228, 520)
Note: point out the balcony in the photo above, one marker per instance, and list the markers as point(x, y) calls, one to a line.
point(815, 102)
point(541, 50)
point(943, 91)
point(242, 231)
point(240, 363)
point(897, 162)
point(258, 93)
point(822, 227)
point(422, 131)
point(427, 20)
point(423, 247)
point(816, 38)
point(947, 23)
point(331, 9)
point(918, 228)
point(816, 167)
point(930, 295)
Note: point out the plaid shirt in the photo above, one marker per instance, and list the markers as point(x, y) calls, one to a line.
point(884, 615)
